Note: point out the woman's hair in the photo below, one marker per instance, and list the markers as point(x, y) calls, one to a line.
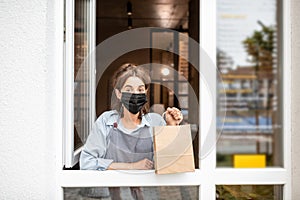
point(120, 77)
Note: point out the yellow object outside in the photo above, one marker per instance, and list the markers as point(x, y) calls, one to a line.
point(249, 161)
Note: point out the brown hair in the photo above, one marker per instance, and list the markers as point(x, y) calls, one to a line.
point(120, 77)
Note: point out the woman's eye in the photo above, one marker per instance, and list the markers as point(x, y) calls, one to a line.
point(142, 90)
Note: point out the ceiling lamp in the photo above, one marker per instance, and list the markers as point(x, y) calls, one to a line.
point(129, 13)
point(129, 8)
point(165, 71)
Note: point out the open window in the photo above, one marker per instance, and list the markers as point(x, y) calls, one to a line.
point(256, 97)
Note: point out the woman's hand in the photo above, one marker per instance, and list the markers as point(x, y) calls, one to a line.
point(173, 116)
point(143, 164)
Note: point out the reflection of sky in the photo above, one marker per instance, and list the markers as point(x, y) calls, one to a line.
point(236, 20)
point(244, 123)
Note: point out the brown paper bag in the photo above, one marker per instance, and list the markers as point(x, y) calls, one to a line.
point(173, 149)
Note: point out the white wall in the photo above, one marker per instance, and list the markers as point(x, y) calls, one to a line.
point(29, 121)
point(27, 98)
point(295, 98)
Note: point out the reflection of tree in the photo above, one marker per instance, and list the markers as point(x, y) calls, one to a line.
point(233, 192)
point(224, 61)
point(260, 47)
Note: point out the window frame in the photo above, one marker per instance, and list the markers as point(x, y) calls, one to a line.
point(208, 176)
point(71, 155)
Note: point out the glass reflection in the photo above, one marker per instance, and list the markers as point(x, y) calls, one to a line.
point(247, 57)
point(254, 192)
point(128, 193)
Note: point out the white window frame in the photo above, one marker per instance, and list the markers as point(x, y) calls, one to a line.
point(71, 156)
point(208, 176)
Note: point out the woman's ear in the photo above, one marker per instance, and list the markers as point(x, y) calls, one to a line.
point(118, 94)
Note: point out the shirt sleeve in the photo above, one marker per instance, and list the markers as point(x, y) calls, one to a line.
point(92, 155)
point(156, 120)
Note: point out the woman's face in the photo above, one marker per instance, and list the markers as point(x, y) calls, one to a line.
point(134, 85)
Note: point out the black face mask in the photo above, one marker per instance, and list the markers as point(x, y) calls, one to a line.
point(133, 102)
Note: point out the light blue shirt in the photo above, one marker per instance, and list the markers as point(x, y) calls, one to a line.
point(94, 150)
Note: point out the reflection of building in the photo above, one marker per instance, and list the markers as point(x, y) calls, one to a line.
point(250, 106)
point(247, 89)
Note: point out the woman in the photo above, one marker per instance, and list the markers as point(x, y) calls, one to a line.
point(121, 139)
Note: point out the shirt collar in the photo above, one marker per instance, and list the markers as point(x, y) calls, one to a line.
point(112, 118)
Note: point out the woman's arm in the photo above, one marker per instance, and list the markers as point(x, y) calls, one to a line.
point(88, 161)
point(92, 155)
point(142, 164)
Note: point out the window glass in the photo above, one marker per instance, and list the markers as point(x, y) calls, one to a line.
point(247, 57)
point(82, 75)
point(172, 75)
point(128, 193)
point(266, 192)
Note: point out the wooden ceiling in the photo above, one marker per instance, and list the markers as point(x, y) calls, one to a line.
point(145, 13)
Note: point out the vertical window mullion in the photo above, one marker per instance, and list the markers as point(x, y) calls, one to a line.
point(207, 137)
point(287, 95)
point(92, 18)
point(79, 95)
point(69, 85)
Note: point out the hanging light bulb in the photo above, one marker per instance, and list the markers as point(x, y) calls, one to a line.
point(165, 71)
point(129, 8)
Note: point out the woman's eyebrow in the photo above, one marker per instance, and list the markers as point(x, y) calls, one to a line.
point(127, 86)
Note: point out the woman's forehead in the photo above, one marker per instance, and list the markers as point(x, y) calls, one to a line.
point(134, 82)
